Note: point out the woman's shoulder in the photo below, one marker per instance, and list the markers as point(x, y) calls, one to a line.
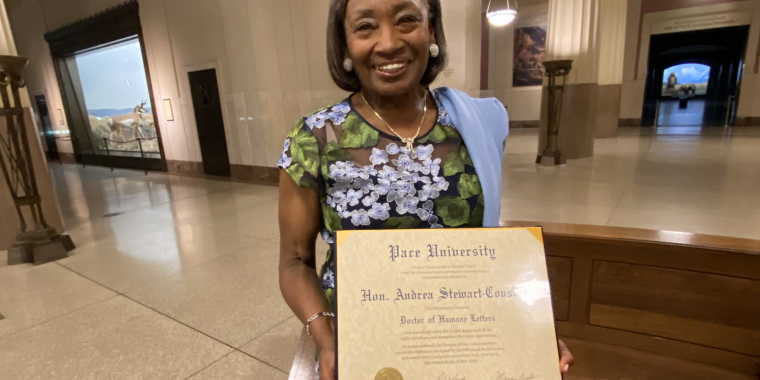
point(334, 114)
point(465, 110)
point(457, 98)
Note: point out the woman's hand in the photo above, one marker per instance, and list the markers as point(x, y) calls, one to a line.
point(566, 359)
point(300, 223)
point(327, 364)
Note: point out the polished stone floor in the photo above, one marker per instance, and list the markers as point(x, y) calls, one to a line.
point(176, 277)
point(173, 278)
point(706, 183)
point(672, 115)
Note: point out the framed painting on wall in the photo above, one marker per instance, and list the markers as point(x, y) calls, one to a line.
point(528, 63)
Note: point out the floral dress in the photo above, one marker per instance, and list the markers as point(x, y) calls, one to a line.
point(368, 179)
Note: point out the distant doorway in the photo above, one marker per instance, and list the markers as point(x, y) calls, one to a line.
point(51, 148)
point(208, 118)
point(677, 113)
point(694, 77)
point(682, 99)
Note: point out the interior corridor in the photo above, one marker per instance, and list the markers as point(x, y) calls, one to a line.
point(176, 277)
point(672, 116)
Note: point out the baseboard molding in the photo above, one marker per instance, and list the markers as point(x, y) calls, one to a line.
point(629, 123)
point(185, 167)
point(524, 123)
point(635, 123)
point(747, 122)
point(67, 158)
point(261, 175)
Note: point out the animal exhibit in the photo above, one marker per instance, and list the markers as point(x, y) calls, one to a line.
point(689, 88)
point(137, 121)
point(672, 80)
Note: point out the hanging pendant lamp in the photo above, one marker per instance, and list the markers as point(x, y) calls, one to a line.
point(501, 16)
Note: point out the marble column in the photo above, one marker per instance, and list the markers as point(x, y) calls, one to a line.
point(9, 227)
point(462, 20)
point(612, 33)
point(591, 33)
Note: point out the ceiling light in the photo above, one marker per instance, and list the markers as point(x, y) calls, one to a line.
point(501, 16)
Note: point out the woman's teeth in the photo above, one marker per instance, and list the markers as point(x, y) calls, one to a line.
point(392, 67)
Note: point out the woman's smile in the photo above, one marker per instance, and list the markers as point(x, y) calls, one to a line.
point(391, 70)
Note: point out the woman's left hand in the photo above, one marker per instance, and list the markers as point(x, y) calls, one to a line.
point(566, 359)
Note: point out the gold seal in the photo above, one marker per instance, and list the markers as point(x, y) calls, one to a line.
point(389, 374)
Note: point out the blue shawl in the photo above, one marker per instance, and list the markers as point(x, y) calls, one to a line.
point(484, 126)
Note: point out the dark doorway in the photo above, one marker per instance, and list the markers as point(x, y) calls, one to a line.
point(722, 50)
point(51, 148)
point(208, 118)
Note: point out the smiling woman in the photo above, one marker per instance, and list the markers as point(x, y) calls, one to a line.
point(363, 21)
point(393, 155)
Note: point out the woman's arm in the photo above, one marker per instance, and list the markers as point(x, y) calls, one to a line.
point(300, 224)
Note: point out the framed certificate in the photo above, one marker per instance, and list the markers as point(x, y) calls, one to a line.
point(444, 304)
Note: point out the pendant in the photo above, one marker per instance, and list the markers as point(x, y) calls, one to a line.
point(409, 144)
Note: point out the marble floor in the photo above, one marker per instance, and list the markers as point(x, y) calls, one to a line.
point(671, 115)
point(176, 277)
point(706, 183)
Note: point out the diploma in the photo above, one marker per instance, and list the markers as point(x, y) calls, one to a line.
point(444, 304)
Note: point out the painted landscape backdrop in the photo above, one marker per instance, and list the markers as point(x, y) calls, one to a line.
point(114, 112)
point(122, 125)
point(114, 83)
point(687, 74)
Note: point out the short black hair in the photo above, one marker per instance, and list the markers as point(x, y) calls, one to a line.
point(337, 46)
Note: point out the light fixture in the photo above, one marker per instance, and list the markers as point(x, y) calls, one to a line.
point(503, 16)
point(168, 111)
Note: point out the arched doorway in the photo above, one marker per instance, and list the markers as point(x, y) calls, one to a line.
point(708, 91)
point(683, 95)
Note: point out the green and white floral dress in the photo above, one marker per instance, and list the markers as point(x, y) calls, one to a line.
point(367, 179)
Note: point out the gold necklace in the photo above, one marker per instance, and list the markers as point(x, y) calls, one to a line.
point(409, 141)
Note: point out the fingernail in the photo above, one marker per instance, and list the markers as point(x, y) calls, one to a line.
point(567, 368)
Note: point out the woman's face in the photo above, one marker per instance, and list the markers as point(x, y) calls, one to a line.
point(389, 42)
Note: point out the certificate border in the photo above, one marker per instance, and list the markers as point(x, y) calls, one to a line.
point(342, 235)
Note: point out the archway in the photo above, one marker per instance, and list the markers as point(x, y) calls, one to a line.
point(721, 50)
point(682, 99)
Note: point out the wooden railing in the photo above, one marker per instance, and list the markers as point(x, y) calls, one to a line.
point(692, 298)
point(643, 304)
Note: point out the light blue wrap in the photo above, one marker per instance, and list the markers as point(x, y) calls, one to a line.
point(484, 126)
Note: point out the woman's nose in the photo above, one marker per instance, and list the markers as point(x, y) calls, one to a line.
point(389, 42)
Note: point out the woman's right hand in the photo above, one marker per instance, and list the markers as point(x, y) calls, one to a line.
point(327, 364)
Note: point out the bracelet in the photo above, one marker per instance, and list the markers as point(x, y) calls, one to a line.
point(315, 316)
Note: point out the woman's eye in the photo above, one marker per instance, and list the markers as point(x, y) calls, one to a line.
point(362, 27)
point(408, 19)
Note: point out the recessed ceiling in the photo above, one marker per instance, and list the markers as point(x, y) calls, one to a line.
point(10, 5)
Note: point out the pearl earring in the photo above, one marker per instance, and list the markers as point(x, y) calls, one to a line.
point(434, 50)
point(348, 65)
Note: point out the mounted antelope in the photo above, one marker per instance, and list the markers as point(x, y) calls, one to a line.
point(134, 121)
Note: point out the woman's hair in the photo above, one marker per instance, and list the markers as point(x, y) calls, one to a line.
point(337, 46)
